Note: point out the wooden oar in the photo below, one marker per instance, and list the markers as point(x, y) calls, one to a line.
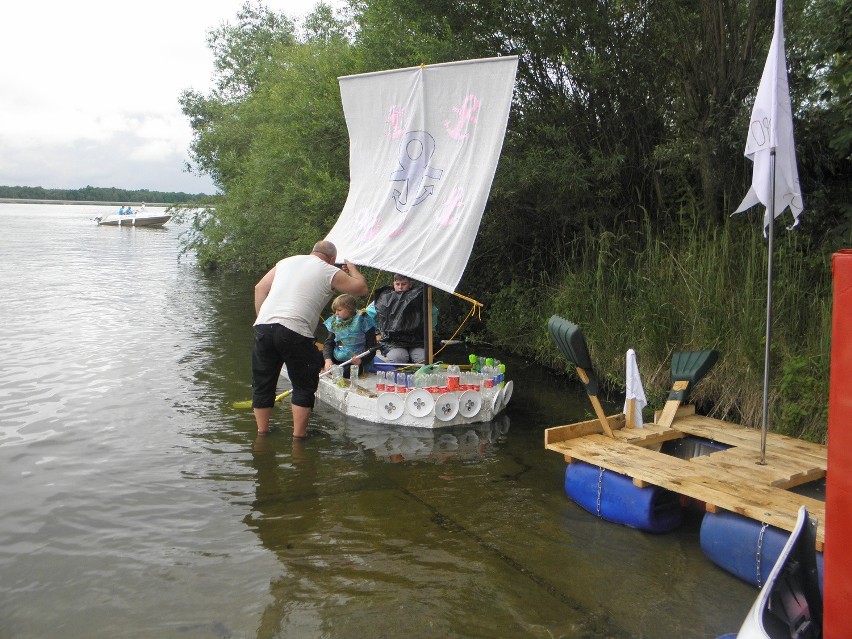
point(247, 403)
point(687, 370)
point(571, 342)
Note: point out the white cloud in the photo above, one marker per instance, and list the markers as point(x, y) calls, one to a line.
point(90, 89)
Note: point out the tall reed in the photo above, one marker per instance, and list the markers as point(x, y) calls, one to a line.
point(690, 288)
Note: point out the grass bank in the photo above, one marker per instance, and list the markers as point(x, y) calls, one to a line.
point(690, 289)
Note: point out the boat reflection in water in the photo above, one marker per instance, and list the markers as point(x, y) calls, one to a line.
point(404, 444)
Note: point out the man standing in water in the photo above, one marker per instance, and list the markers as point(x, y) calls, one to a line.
point(288, 301)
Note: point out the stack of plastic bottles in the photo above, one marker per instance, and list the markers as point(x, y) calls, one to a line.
point(485, 375)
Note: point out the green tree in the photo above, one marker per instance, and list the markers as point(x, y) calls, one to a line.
point(278, 146)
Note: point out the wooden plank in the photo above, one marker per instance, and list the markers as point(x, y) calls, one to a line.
point(758, 501)
point(630, 412)
point(648, 435)
point(779, 470)
point(684, 410)
point(580, 429)
point(736, 435)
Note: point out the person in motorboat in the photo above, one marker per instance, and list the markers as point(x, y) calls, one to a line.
point(288, 301)
point(349, 332)
point(398, 313)
point(121, 211)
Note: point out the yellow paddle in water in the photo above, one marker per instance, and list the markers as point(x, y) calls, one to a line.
point(247, 403)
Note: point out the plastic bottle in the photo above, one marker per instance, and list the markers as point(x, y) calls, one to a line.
point(354, 370)
point(487, 377)
point(453, 377)
point(337, 375)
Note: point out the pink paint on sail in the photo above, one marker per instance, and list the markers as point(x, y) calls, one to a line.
point(465, 113)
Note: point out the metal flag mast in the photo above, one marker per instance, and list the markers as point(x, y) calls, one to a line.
point(764, 427)
point(771, 129)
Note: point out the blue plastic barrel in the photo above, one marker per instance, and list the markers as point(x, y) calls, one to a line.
point(743, 547)
point(614, 497)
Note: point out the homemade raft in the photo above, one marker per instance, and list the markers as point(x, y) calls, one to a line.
point(438, 405)
point(729, 479)
point(645, 477)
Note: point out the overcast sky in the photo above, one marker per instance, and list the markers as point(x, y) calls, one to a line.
point(89, 89)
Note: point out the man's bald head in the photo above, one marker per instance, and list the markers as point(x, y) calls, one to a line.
point(327, 249)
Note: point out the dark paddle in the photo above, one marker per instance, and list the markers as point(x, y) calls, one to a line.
point(572, 344)
point(687, 370)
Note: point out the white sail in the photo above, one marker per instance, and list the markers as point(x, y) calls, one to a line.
point(424, 146)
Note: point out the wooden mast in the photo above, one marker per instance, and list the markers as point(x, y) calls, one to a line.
point(427, 322)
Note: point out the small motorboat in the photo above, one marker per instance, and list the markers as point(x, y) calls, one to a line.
point(139, 217)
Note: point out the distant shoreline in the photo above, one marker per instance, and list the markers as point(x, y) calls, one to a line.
point(9, 200)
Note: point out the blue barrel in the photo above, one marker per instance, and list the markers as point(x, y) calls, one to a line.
point(735, 543)
point(613, 497)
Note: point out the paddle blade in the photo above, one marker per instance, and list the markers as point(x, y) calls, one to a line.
point(571, 343)
point(247, 403)
point(690, 367)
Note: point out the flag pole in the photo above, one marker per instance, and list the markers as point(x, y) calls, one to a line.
point(764, 428)
point(771, 148)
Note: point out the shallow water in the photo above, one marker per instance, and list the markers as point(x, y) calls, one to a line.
point(138, 503)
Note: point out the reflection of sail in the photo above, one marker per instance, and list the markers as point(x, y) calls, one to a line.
point(424, 146)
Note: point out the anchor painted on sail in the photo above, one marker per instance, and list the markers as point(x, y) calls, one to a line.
point(415, 152)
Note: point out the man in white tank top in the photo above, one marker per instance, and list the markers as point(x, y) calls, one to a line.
point(288, 301)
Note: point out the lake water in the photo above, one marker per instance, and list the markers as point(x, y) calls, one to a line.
point(137, 503)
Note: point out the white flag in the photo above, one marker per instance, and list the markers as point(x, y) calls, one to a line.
point(634, 392)
point(772, 128)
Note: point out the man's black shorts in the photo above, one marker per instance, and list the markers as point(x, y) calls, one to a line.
point(274, 346)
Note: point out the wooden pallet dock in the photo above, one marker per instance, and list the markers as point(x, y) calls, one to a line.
point(730, 479)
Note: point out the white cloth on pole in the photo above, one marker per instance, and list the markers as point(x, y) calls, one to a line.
point(635, 391)
point(423, 148)
point(771, 127)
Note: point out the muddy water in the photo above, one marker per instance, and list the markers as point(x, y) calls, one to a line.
point(138, 503)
